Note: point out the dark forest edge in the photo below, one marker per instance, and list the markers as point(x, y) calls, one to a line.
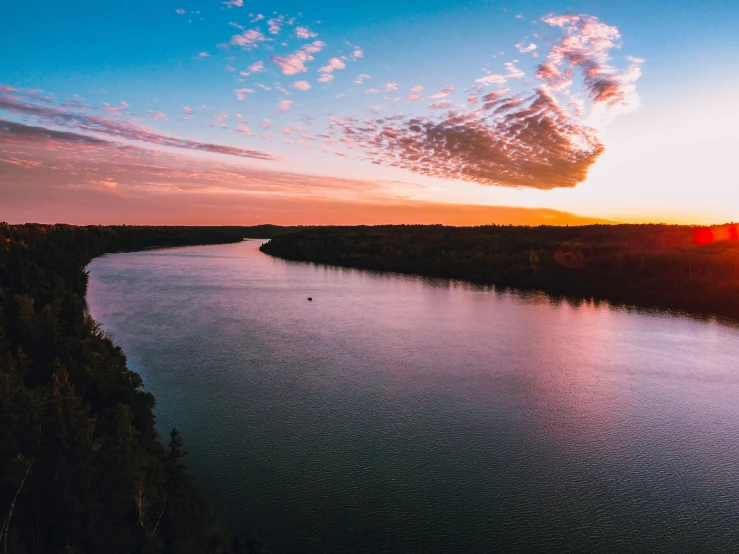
point(83, 469)
point(694, 270)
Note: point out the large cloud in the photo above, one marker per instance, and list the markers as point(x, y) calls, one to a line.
point(49, 114)
point(536, 138)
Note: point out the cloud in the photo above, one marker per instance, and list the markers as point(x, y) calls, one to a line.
point(275, 24)
point(115, 109)
point(443, 93)
point(372, 91)
point(301, 85)
point(111, 186)
point(326, 78)
point(535, 138)
point(266, 123)
point(156, 115)
point(233, 3)
point(284, 105)
point(188, 111)
point(359, 79)
point(586, 45)
point(492, 79)
point(391, 86)
point(180, 11)
point(513, 71)
point(417, 88)
point(256, 67)
point(248, 39)
point(242, 92)
point(440, 105)
point(333, 63)
point(524, 48)
point(126, 130)
point(243, 129)
point(356, 54)
point(295, 63)
point(18, 133)
point(304, 33)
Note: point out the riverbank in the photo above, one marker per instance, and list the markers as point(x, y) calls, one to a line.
point(83, 467)
point(651, 266)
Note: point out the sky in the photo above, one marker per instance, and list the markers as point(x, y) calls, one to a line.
point(244, 112)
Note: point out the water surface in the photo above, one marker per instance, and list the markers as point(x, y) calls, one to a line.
point(401, 414)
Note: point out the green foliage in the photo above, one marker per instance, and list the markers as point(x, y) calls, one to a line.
point(83, 470)
point(644, 265)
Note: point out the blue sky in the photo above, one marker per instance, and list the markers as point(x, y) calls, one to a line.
point(654, 148)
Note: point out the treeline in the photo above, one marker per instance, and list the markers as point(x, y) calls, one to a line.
point(660, 266)
point(83, 470)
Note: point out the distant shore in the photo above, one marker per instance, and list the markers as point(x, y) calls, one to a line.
point(668, 267)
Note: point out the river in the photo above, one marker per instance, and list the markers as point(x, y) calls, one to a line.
point(410, 415)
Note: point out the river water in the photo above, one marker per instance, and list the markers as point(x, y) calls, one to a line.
point(402, 414)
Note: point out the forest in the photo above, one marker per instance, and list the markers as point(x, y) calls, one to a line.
point(83, 469)
point(689, 269)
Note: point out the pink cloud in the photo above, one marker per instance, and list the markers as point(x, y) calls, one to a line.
point(585, 45)
point(492, 79)
point(391, 86)
point(242, 92)
point(326, 78)
point(356, 54)
point(524, 48)
point(361, 78)
point(275, 24)
point(537, 138)
point(256, 67)
point(333, 63)
point(115, 109)
point(295, 63)
point(301, 85)
point(127, 130)
point(188, 111)
point(304, 33)
point(201, 56)
point(180, 11)
point(156, 115)
point(513, 71)
point(248, 39)
point(443, 93)
point(284, 105)
point(233, 3)
point(266, 123)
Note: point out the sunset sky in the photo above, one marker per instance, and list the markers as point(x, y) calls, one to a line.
point(246, 112)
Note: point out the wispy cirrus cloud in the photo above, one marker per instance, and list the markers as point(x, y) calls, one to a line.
point(443, 93)
point(242, 92)
point(534, 138)
point(21, 104)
